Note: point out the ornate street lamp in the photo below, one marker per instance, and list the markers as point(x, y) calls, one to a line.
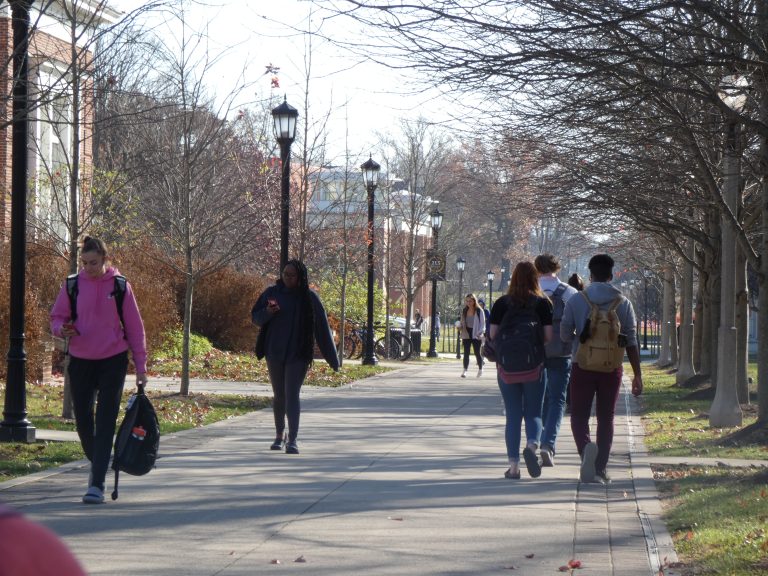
point(490, 276)
point(284, 117)
point(15, 426)
point(437, 222)
point(460, 265)
point(503, 284)
point(371, 180)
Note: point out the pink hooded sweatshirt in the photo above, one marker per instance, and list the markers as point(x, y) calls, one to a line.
point(98, 323)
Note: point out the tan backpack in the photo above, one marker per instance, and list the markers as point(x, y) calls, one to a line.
point(601, 351)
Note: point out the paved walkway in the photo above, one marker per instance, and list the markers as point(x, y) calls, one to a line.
point(399, 474)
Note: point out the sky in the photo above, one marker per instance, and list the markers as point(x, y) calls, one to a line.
point(363, 98)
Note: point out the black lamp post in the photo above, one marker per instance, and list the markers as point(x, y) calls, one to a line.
point(370, 179)
point(437, 221)
point(460, 265)
point(284, 117)
point(490, 276)
point(15, 426)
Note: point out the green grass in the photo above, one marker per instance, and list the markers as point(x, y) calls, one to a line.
point(717, 516)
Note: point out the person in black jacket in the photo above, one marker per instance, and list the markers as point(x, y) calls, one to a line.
point(291, 318)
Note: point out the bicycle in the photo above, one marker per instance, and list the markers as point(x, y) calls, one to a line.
point(400, 346)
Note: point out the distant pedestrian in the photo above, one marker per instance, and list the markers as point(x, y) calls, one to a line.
point(588, 386)
point(557, 366)
point(418, 320)
point(437, 326)
point(291, 318)
point(472, 327)
point(98, 342)
point(523, 401)
point(487, 314)
point(576, 281)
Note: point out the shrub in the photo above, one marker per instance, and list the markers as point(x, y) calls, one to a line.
point(172, 345)
point(45, 273)
point(222, 305)
point(153, 285)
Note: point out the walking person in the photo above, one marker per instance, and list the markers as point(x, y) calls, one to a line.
point(590, 382)
point(557, 366)
point(523, 400)
point(487, 314)
point(472, 327)
point(291, 318)
point(576, 281)
point(106, 323)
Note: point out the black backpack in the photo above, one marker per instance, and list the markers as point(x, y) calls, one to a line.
point(519, 343)
point(556, 348)
point(138, 438)
point(118, 293)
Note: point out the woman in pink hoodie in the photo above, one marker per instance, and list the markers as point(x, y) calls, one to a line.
point(98, 344)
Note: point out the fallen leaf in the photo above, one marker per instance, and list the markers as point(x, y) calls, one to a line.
point(397, 518)
point(530, 555)
point(300, 559)
point(573, 564)
point(564, 569)
point(275, 561)
point(510, 567)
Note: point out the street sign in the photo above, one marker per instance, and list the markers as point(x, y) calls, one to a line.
point(435, 265)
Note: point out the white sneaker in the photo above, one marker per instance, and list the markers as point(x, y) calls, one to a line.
point(547, 456)
point(479, 372)
point(94, 495)
point(464, 374)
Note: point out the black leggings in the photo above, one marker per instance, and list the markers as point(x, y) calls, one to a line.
point(476, 345)
point(100, 382)
point(286, 380)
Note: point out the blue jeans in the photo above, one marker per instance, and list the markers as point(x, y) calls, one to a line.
point(558, 372)
point(522, 402)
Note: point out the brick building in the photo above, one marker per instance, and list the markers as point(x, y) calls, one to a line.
point(60, 117)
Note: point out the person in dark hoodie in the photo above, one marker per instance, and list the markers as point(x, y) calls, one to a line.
point(588, 385)
point(291, 318)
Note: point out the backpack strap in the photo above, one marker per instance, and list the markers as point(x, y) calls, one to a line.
point(72, 292)
point(119, 294)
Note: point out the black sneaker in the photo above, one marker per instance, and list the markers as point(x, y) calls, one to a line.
point(291, 448)
point(532, 463)
point(278, 443)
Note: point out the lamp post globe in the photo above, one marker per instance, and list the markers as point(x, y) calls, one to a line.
point(437, 221)
point(460, 265)
point(284, 117)
point(371, 181)
point(490, 275)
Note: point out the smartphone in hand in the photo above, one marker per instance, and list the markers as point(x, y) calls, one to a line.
point(272, 302)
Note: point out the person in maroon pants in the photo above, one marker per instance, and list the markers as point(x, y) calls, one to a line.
point(588, 385)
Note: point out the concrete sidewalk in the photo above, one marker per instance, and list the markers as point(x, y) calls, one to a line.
point(399, 474)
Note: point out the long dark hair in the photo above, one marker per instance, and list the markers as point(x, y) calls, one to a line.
point(306, 312)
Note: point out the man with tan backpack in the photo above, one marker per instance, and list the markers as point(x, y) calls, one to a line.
point(604, 321)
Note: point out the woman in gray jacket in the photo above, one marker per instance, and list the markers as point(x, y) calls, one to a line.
point(472, 327)
point(291, 318)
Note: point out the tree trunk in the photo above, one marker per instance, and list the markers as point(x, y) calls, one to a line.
point(685, 368)
point(187, 330)
point(674, 355)
point(667, 321)
point(742, 328)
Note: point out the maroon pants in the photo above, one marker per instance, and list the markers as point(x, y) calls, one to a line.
point(585, 386)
